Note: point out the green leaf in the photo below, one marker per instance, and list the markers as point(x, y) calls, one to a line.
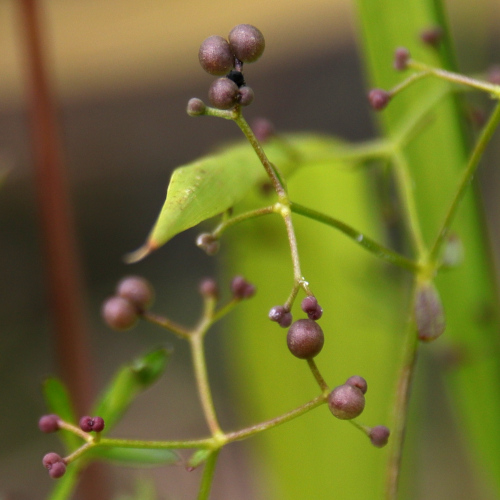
point(213, 184)
point(129, 381)
point(135, 457)
point(59, 402)
point(144, 490)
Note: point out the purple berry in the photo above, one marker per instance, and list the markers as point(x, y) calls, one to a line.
point(432, 36)
point(379, 99)
point(247, 42)
point(305, 339)
point(281, 316)
point(223, 93)
point(215, 56)
point(311, 307)
point(286, 320)
point(49, 423)
point(429, 314)
point(50, 459)
point(379, 436)
point(208, 288)
point(57, 470)
point(401, 57)
point(89, 424)
point(263, 129)
point(195, 107)
point(346, 402)
point(358, 382)
point(241, 288)
point(119, 313)
point(208, 243)
point(137, 291)
point(245, 96)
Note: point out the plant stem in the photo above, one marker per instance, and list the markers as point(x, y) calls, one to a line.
point(317, 375)
point(467, 177)
point(179, 330)
point(400, 407)
point(204, 392)
point(208, 475)
point(156, 445)
point(358, 237)
point(217, 232)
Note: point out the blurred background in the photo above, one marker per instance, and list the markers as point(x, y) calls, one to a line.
point(121, 73)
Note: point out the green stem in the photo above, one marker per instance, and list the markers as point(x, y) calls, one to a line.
point(208, 476)
point(467, 177)
point(400, 408)
point(262, 426)
point(204, 392)
point(358, 237)
point(317, 375)
point(217, 232)
point(179, 330)
point(156, 445)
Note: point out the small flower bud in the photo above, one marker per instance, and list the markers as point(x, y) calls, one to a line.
point(208, 243)
point(401, 57)
point(49, 423)
point(429, 314)
point(379, 99)
point(54, 464)
point(358, 382)
point(138, 291)
point(432, 36)
point(379, 436)
point(263, 129)
point(311, 307)
point(241, 288)
point(346, 402)
point(305, 339)
point(196, 107)
point(208, 288)
point(281, 316)
point(89, 424)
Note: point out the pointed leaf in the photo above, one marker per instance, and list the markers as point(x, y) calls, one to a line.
point(129, 381)
point(59, 402)
point(213, 184)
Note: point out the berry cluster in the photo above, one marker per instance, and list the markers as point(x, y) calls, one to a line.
point(218, 56)
point(133, 296)
point(283, 316)
point(53, 462)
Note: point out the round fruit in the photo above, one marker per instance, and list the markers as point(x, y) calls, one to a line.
point(119, 313)
point(346, 402)
point(136, 290)
point(247, 42)
point(223, 93)
point(215, 56)
point(305, 339)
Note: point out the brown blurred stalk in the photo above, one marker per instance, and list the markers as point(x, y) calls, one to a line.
point(71, 342)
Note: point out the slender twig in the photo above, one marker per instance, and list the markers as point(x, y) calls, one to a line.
point(317, 375)
point(217, 232)
point(470, 170)
point(208, 476)
point(174, 327)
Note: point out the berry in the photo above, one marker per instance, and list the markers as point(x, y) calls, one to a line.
point(54, 464)
point(245, 96)
point(358, 382)
point(215, 55)
point(49, 423)
point(89, 424)
point(208, 288)
point(241, 288)
point(311, 307)
point(281, 316)
point(429, 314)
point(263, 129)
point(246, 42)
point(379, 436)
point(401, 56)
point(137, 291)
point(208, 243)
point(305, 339)
point(119, 313)
point(195, 107)
point(379, 99)
point(346, 402)
point(223, 93)
point(432, 36)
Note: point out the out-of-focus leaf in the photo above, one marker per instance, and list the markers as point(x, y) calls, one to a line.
point(144, 490)
point(135, 457)
point(59, 402)
point(213, 184)
point(436, 158)
point(129, 381)
point(198, 457)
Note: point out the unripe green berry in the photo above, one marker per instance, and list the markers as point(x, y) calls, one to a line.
point(346, 402)
point(215, 56)
point(305, 339)
point(247, 42)
point(223, 93)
